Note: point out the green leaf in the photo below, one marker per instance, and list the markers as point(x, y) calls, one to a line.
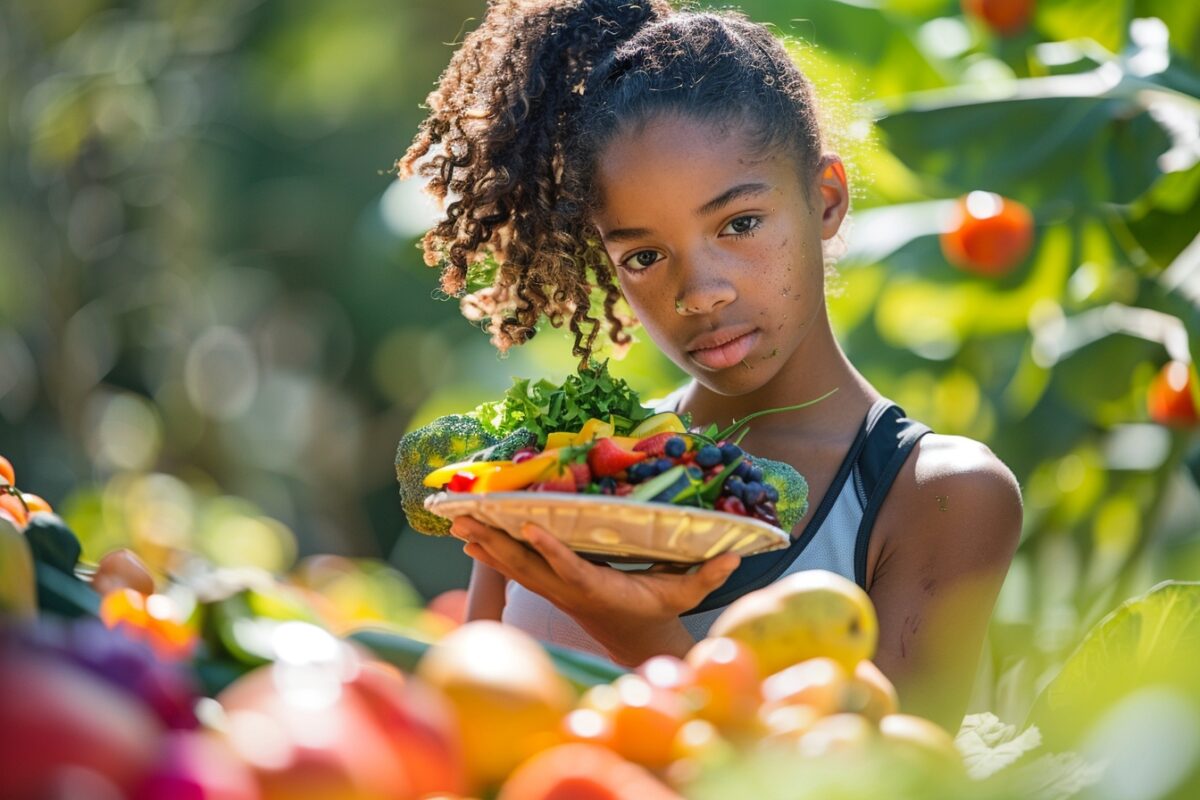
point(1153, 639)
point(1039, 140)
point(988, 745)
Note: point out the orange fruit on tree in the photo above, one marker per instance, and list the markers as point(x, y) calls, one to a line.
point(725, 673)
point(987, 234)
point(1170, 400)
point(1005, 17)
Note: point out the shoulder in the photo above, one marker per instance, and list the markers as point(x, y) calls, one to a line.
point(953, 497)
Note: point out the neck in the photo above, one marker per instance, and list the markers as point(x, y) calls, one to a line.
point(816, 367)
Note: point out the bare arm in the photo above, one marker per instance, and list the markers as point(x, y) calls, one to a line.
point(953, 521)
point(485, 593)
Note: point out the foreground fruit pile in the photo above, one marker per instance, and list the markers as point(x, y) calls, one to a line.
point(245, 685)
point(334, 681)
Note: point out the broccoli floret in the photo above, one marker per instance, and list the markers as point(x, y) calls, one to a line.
point(792, 488)
point(507, 447)
point(447, 439)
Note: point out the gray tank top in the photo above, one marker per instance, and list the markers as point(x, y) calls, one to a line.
point(835, 538)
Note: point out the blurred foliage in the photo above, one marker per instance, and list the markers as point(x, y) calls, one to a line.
point(207, 273)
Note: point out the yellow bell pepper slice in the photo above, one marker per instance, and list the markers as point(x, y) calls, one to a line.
point(516, 476)
point(667, 421)
point(560, 439)
point(594, 429)
point(441, 476)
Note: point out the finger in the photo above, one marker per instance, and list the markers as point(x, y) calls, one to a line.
point(469, 528)
point(518, 562)
point(711, 575)
point(479, 554)
point(562, 559)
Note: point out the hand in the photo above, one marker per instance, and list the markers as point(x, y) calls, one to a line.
point(632, 615)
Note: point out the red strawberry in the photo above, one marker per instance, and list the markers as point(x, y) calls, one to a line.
point(607, 458)
point(655, 445)
point(581, 473)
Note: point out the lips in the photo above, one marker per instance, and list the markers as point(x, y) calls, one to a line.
point(718, 337)
point(729, 347)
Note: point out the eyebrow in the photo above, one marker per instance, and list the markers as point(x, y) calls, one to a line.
point(716, 204)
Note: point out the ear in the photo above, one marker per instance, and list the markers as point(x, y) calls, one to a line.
point(833, 194)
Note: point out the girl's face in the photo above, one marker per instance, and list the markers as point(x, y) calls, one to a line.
point(717, 248)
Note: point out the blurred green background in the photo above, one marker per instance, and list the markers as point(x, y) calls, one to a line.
point(215, 324)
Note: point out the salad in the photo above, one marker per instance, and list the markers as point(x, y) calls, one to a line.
point(591, 435)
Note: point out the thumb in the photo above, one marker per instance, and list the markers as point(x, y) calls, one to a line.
point(716, 571)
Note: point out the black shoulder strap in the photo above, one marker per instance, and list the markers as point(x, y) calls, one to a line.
point(759, 570)
point(887, 449)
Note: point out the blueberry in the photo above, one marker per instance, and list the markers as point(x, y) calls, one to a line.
point(708, 456)
point(772, 493)
point(743, 471)
point(729, 452)
point(637, 472)
point(753, 494)
point(608, 485)
point(754, 475)
point(695, 472)
point(675, 447)
point(734, 486)
point(664, 464)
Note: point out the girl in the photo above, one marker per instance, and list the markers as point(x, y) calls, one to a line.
point(674, 159)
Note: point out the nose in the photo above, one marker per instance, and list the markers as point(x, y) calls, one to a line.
point(704, 295)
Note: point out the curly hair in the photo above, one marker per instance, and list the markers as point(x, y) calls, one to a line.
point(521, 114)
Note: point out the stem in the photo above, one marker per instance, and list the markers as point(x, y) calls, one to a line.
point(732, 429)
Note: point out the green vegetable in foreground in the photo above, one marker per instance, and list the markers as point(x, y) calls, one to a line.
point(446, 440)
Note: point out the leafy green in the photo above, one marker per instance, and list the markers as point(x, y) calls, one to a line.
point(1151, 640)
point(988, 745)
point(543, 407)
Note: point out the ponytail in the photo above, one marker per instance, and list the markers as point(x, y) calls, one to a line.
point(526, 107)
point(493, 151)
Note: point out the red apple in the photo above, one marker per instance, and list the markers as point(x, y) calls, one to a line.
point(59, 720)
point(336, 725)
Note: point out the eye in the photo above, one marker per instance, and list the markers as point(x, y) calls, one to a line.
point(641, 260)
point(741, 226)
